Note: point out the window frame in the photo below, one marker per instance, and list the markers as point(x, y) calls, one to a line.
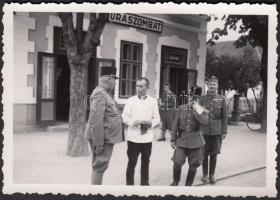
point(130, 63)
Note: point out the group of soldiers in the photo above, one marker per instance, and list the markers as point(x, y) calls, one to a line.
point(197, 128)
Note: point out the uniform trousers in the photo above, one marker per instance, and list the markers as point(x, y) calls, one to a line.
point(195, 158)
point(100, 162)
point(133, 151)
point(212, 147)
point(167, 117)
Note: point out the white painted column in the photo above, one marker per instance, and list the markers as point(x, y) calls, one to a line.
point(22, 24)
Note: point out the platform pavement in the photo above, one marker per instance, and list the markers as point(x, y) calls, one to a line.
point(40, 157)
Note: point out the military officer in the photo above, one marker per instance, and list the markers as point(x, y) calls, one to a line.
point(167, 105)
point(216, 129)
point(187, 140)
point(104, 127)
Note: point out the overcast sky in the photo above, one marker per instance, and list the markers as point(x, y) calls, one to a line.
point(232, 35)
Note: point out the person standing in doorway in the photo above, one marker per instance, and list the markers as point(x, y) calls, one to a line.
point(167, 107)
point(104, 127)
point(141, 115)
point(216, 129)
point(187, 139)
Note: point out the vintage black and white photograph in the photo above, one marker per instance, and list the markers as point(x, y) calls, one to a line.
point(117, 99)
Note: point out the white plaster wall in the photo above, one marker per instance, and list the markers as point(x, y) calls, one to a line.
point(201, 65)
point(22, 24)
point(173, 41)
point(132, 35)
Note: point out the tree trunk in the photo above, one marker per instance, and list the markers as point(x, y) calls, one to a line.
point(77, 144)
point(79, 51)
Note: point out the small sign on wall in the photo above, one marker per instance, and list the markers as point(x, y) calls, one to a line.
point(136, 21)
point(101, 62)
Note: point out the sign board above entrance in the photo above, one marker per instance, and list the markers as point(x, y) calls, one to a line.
point(136, 21)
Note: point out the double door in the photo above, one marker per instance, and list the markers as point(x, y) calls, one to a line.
point(174, 71)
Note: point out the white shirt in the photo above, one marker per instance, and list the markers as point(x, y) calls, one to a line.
point(142, 110)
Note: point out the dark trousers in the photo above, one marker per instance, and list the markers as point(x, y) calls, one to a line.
point(133, 151)
point(213, 161)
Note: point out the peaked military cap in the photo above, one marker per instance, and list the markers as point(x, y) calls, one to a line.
point(109, 71)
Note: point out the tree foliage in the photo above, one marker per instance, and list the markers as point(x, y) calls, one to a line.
point(254, 31)
point(233, 72)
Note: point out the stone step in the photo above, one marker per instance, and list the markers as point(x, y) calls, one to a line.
point(59, 127)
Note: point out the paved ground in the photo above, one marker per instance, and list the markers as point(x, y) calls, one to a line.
point(254, 179)
point(40, 158)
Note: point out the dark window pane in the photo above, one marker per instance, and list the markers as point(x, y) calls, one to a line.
point(125, 71)
point(133, 87)
point(122, 92)
point(127, 91)
point(126, 51)
point(137, 53)
point(136, 72)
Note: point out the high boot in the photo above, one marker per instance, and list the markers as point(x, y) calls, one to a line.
point(190, 177)
point(176, 175)
point(205, 169)
point(162, 137)
point(213, 161)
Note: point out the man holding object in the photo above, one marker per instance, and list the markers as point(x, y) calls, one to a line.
point(187, 139)
point(141, 115)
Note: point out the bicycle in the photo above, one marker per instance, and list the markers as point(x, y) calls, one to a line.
point(253, 118)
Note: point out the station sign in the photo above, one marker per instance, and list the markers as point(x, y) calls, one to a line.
point(136, 21)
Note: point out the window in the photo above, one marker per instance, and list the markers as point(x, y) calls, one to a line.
point(130, 68)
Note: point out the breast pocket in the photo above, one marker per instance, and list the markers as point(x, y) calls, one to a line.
point(218, 108)
point(185, 118)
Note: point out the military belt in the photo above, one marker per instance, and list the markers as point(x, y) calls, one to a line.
point(215, 118)
point(189, 130)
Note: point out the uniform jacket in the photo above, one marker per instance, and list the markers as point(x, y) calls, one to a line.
point(186, 128)
point(216, 104)
point(104, 122)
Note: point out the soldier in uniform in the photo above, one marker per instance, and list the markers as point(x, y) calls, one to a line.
point(104, 127)
point(187, 139)
point(216, 129)
point(167, 105)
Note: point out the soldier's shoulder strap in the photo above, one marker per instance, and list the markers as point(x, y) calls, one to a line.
point(98, 92)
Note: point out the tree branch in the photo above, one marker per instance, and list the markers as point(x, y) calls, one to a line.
point(94, 32)
point(68, 33)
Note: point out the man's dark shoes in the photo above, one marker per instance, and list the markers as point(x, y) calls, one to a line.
point(161, 139)
point(204, 178)
point(174, 183)
point(212, 179)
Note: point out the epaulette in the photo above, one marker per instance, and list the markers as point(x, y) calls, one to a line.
point(98, 91)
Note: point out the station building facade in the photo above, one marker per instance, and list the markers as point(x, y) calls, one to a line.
point(165, 48)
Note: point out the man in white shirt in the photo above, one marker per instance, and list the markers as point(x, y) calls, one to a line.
point(141, 115)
